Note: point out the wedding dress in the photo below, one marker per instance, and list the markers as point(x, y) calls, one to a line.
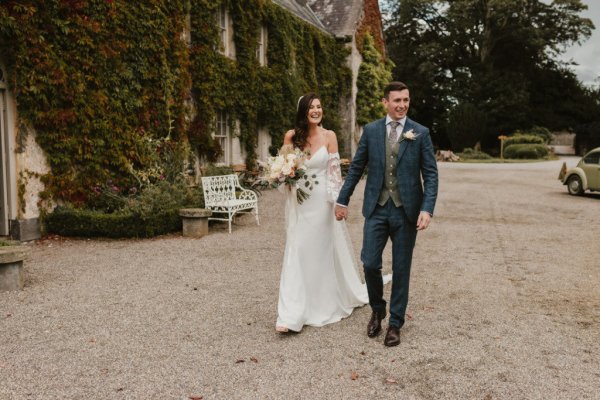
point(320, 283)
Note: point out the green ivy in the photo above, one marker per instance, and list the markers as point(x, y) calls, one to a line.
point(301, 58)
point(374, 73)
point(96, 79)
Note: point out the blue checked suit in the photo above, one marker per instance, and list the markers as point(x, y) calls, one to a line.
point(417, 180)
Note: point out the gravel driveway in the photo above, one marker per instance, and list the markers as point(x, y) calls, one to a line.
point(505, 304)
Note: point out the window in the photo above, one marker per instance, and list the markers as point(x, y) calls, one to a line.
point(261, 50)
point(223, 137)
point(593, 158)
point(226, 27)
point(263, 144)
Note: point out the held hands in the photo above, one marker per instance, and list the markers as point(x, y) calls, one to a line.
point(341, 212)
point(423, 220)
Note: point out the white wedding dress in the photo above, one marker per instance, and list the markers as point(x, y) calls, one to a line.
point(320, 283)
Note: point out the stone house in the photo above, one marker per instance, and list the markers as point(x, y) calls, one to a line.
point(23, 161)
point(346, 20)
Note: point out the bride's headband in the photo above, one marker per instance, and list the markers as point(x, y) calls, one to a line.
point(298, 105)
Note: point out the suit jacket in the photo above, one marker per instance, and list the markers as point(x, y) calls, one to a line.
point(415, 159)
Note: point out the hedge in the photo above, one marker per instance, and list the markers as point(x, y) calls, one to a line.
point(523, 139)
point(86, 223)
point(526, 151)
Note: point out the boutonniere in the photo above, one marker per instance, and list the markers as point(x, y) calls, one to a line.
point(409, 135)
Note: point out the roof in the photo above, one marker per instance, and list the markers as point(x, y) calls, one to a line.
point(340, 17)
point(302, 10)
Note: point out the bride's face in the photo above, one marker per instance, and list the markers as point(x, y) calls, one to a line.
point(315, 112)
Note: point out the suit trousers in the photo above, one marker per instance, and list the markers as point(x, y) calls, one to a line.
point(388, 221)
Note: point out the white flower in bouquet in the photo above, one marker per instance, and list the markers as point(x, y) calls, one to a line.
point(288, 168)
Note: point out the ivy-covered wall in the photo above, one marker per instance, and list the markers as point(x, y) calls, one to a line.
point(94, 79)
point(301, 58)
point(97, 79)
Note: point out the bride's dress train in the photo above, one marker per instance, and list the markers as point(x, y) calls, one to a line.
point(320, 283)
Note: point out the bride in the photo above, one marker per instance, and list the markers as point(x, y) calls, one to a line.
point(319, 279)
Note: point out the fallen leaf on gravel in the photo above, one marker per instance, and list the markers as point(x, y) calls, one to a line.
point(196, 397)
point(241, 360)
point(354, 376)
point(92, 340)
point(409, 316)
point(362, 353)
point(428, 308)
point(394, 360)
point(120, 389)
point(8, 315)
point(254, 359)
point(488, 397)
point(390, 380)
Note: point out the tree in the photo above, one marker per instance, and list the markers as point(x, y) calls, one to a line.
point(498, 55)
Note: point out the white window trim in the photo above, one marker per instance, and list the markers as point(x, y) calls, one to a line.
point(225, 24)
point(261, 50)
point(222, 134)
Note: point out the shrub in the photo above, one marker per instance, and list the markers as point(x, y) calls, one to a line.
point(526, 151)
point(153, 211)
point(163, 197)
point(470, 154)
point(215, 170)
point(519, 138)
point(538, 131)
point(87, 223)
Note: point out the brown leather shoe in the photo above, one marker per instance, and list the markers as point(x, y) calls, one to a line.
point(374, 326)
point(392, 337)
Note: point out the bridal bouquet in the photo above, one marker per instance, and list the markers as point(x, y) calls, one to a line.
point(288, 168)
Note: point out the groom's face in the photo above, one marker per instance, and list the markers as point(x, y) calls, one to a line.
point(397, 103)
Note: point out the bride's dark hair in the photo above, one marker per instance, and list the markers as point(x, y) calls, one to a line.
point(300, 138)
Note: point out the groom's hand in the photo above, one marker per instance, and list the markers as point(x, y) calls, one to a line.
point(423, 220)
point(341, 212)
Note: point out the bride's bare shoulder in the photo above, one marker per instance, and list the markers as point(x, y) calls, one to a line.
point(331, 140)
point(287, 138)
point(289, 134)
point(330, 134)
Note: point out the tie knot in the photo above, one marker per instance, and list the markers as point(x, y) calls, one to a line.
point(394, 124)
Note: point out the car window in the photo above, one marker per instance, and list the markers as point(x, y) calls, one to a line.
point(592, 158)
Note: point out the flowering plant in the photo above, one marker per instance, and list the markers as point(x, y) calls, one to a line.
point(288, 168)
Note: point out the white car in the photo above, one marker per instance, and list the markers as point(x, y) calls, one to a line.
point(585, 176)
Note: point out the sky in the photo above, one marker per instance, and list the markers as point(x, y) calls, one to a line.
point(588, 54)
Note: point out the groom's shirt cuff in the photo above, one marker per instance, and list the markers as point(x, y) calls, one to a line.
point(341, 205)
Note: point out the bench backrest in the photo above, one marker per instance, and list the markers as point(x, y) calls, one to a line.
point(218, 188)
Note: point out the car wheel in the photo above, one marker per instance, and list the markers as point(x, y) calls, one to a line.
point(574, 185)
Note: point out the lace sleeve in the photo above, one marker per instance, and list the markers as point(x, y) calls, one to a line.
point(334, 177)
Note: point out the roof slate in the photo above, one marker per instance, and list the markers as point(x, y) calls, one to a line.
point(302, 10)
point(340, 17)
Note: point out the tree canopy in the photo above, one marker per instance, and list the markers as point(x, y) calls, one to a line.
point(481, 68)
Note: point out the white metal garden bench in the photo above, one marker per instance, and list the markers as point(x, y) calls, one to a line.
point(220, 197)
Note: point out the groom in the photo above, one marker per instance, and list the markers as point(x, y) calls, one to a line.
point(397, 203)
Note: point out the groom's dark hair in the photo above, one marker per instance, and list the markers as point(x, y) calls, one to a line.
point(393, 87)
